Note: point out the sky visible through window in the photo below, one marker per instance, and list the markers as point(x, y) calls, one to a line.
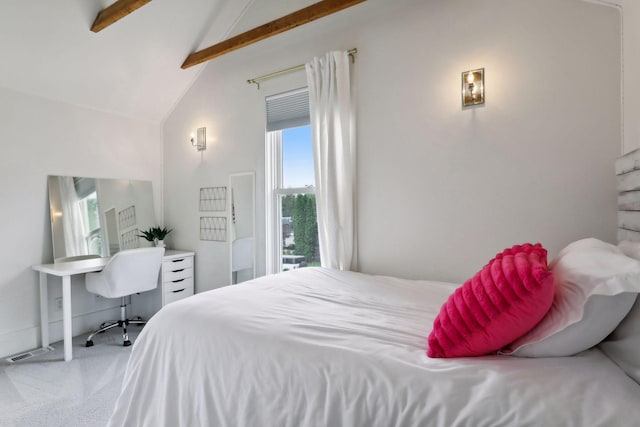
point(297, 157)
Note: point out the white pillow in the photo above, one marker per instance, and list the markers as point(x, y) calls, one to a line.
point(623, 345)
point(596, 285)
point(630, 249)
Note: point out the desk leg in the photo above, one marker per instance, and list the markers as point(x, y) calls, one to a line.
point(66, 316)
point(44, 311)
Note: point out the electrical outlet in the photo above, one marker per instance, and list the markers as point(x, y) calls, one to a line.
point(59, 304)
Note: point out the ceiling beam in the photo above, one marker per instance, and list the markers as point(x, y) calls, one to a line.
point(115, 12)
point(280, 25)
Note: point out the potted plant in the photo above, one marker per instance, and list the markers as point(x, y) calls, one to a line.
point(156, 235)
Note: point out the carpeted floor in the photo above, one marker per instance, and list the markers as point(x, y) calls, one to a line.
point(44, 391)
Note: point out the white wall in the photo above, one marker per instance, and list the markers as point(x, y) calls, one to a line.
point(441, 189)
point(40, 137)
point(631, 83)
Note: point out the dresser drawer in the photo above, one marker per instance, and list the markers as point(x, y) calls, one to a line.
point(185, 289)
point(177, 264)
point(172, 276)
point(178, 284)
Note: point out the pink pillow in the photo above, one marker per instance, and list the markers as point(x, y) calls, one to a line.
point(498, 305)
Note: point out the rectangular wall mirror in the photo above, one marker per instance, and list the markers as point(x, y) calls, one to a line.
point(242, 226)
point(95, 217)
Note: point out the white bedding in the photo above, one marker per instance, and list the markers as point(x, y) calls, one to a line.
point(318, 347)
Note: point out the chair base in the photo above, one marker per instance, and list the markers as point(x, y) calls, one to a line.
point(122, 323)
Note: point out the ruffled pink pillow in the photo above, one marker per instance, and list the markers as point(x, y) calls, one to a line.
point(498, 305)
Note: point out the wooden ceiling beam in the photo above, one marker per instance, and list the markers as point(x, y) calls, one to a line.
point(115, 12)
point(280, 25)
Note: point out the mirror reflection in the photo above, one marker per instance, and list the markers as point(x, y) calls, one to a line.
point(98, 217)
point(242, 220)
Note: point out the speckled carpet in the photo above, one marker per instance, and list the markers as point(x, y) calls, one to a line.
point(45, 391)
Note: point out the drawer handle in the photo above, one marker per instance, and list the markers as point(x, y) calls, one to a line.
point(177, 260)
point(176, 281)
point(177, 271)
point(179, 290)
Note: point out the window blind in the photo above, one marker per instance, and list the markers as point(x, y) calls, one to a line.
point(84, 186)
point(288, 110)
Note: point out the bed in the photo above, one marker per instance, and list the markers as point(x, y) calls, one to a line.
point(319, 347)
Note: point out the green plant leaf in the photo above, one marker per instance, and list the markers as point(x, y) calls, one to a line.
point(155, 233)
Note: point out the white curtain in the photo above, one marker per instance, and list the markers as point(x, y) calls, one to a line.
point(72, 218)
point(334, 152)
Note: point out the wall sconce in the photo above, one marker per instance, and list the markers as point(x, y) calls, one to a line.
point(199, 140)
point(473, 87)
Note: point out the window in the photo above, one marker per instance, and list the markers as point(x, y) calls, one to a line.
point(88, 236)
point(292, 231)
point(91, 223)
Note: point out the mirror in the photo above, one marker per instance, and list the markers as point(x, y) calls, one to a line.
point(242, 226)
point(99, 217)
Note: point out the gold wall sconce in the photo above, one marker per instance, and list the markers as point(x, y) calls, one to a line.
point(199, 139)
point(473, 87)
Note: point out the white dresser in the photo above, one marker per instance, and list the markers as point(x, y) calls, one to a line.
point(176, 282)
point(176, 277)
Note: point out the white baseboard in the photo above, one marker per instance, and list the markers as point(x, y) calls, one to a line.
point(18, 341)
point(27, 339)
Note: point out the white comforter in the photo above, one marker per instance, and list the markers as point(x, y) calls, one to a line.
point(317, 347)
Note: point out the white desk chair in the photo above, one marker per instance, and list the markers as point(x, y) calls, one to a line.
point(127, 272)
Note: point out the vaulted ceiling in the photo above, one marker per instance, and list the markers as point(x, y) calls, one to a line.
point(131, 67)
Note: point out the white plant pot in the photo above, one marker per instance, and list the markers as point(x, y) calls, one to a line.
point(160, 243)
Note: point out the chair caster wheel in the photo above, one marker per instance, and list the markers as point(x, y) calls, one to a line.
point(89, 343)
point(127, 343)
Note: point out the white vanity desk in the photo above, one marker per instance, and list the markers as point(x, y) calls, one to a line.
point(177, 267)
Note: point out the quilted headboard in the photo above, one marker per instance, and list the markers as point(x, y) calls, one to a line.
point(628, 177)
